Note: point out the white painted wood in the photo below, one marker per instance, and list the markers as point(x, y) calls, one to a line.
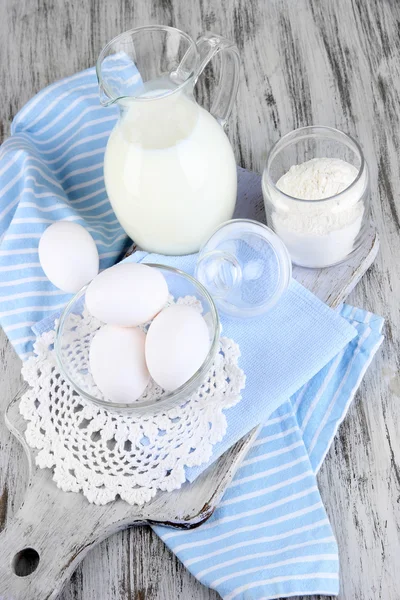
point(304, 62)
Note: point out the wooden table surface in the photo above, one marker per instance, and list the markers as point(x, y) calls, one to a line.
point(328, 62)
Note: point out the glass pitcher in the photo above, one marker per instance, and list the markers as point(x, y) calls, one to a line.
point(169, 169)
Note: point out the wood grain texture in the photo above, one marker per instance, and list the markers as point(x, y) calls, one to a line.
point(330, 62)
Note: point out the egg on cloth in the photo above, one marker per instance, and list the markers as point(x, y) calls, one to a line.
point(177, 344)
point(127, 294)
point(117, 363)
point(68, 256)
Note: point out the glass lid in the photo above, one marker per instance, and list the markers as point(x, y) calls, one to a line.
point(245, 266)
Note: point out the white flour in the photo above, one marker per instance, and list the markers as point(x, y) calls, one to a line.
point(319, 234)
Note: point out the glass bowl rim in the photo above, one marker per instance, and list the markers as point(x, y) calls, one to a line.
point(307, 133)
point(171, 399)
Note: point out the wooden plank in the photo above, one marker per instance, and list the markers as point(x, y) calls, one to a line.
point(309, 61)
point(62, 542)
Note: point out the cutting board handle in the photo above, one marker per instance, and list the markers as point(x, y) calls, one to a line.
point(43, 544)
point(52, 531)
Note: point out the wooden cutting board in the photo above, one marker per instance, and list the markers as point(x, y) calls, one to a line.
point(53, 530)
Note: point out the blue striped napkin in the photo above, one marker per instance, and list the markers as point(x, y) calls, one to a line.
point(270, 537)
point(51, 168)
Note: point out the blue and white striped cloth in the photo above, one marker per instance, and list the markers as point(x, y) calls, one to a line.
point(270, 536)
point(51, 169)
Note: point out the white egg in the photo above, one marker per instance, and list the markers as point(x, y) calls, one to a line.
point(127, 294)
point(177, 344)
point(117, 363)
point(68, 256)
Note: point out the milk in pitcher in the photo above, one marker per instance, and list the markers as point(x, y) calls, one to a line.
point(170, 172)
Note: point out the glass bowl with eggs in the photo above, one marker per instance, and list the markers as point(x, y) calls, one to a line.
point(139, 337)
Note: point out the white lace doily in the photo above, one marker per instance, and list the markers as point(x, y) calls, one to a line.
point(106, 454)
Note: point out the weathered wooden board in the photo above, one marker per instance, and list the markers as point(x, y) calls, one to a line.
point(310, 61)
point(61, 527)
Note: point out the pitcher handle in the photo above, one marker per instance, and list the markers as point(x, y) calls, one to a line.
point(208, 46)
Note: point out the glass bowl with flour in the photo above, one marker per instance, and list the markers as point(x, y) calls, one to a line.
point(316, 194)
